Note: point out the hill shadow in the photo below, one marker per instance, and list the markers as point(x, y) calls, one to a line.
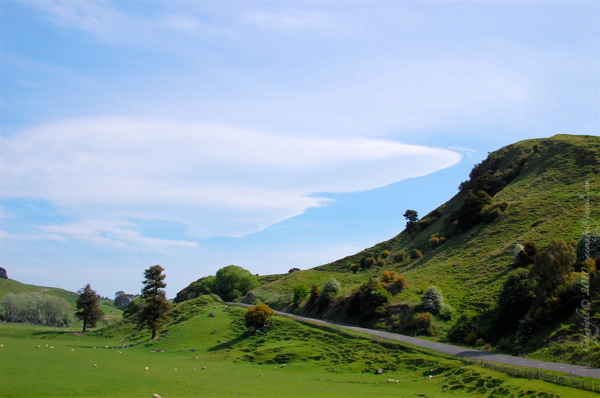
point(230, 343)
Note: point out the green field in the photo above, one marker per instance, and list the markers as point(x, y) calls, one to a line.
point(319, 363)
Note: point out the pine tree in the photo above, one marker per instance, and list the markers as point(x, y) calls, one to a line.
point(88, 306)
point(155, 301)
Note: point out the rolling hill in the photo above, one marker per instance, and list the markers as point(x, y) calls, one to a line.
point(466, 248)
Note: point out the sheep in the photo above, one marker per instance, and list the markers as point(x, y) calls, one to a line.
point(261, 375)
point(146, 369)
point(194, 369)
point(430, 377)
point(95, 365)
point(38, 346)
point(155, 396)
point(72, 349)
point(203, 368)
point(51, 347)
point(119, 352)
point(390, 380)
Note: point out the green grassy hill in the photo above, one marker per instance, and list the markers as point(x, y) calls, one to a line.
point(12, 286)
point(538, 181)
point(111, 313)
point(213, 356)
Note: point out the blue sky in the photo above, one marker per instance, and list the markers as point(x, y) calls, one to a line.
point(266, 134)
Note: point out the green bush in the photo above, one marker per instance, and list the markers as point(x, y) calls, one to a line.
point(300, 293)
point(415, 253)
point(384, 254)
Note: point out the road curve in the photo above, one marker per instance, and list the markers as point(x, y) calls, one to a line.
point(458, 351)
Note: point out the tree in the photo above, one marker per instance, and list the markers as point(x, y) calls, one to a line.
point(469, 214)
point(122, 299)
point(412, 218)
point(432, 300)
point(88, 307)
point(233, 281)
point(515, 299)
point(258, 316)
point(300, 294)
point(155, 301)
point(202, 286)
point(3, 274)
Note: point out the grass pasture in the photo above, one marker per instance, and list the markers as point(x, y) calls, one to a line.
point(319, 363)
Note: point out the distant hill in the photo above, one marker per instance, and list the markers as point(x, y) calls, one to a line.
point(468, 249)
point(12, 286)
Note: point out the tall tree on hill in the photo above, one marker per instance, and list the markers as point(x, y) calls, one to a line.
point(156, 305)
point(411, 220)
point(88, 307)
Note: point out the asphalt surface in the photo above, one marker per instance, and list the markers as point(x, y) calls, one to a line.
point(460, 351)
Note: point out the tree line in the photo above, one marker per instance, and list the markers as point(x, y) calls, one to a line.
point(39, 309)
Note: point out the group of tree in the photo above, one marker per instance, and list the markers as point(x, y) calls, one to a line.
point(41, 309)
point(122, 299)
point(229, 283)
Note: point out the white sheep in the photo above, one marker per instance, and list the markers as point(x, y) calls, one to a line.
point(155, 396)
point(95, 365)
point(430, 377)
point(51, 347)
point(146, 369)
point(72, 349)
point(38, 346)
point(203, 368)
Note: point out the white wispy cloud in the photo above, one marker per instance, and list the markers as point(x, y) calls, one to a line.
point(215, 178)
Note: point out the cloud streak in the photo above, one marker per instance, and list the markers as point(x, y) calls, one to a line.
point(215, 178)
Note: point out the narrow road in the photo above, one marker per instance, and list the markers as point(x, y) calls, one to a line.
point(459, 351)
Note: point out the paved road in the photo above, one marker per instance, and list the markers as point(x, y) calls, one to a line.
point(460, 351)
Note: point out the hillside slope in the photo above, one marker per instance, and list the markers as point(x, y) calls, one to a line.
point(13, 286)
point(533, 188)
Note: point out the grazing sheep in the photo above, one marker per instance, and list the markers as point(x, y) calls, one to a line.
point(95, 365)
point(275, 368)
point(283, 366)
point(155, 396)
point(430, 377)
point(175, 368)
point(72, 349)
point(196, 357)
point(146, 369)
point(38, 346)
point(390, 380)
point(261, 375)
point(194, 369)
point(203, 368)
point(119, 352)
point(51, 347)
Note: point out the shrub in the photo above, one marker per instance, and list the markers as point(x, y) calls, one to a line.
point(367, 262)
point(446, 313)
point(415, 253)
point(399, 256)
point(300, 293)
point(353, 268)
point(258, 316)
point(525, 329)
point(464, 325)
point(313, 296)
point(388, 276)
point(331, 288)
point(397, 285)
point(424, 322)
point(380, 263)
point(384, 254)
point(367, 299)
point(471, 337)
point(525, 254)
point(433, 300)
